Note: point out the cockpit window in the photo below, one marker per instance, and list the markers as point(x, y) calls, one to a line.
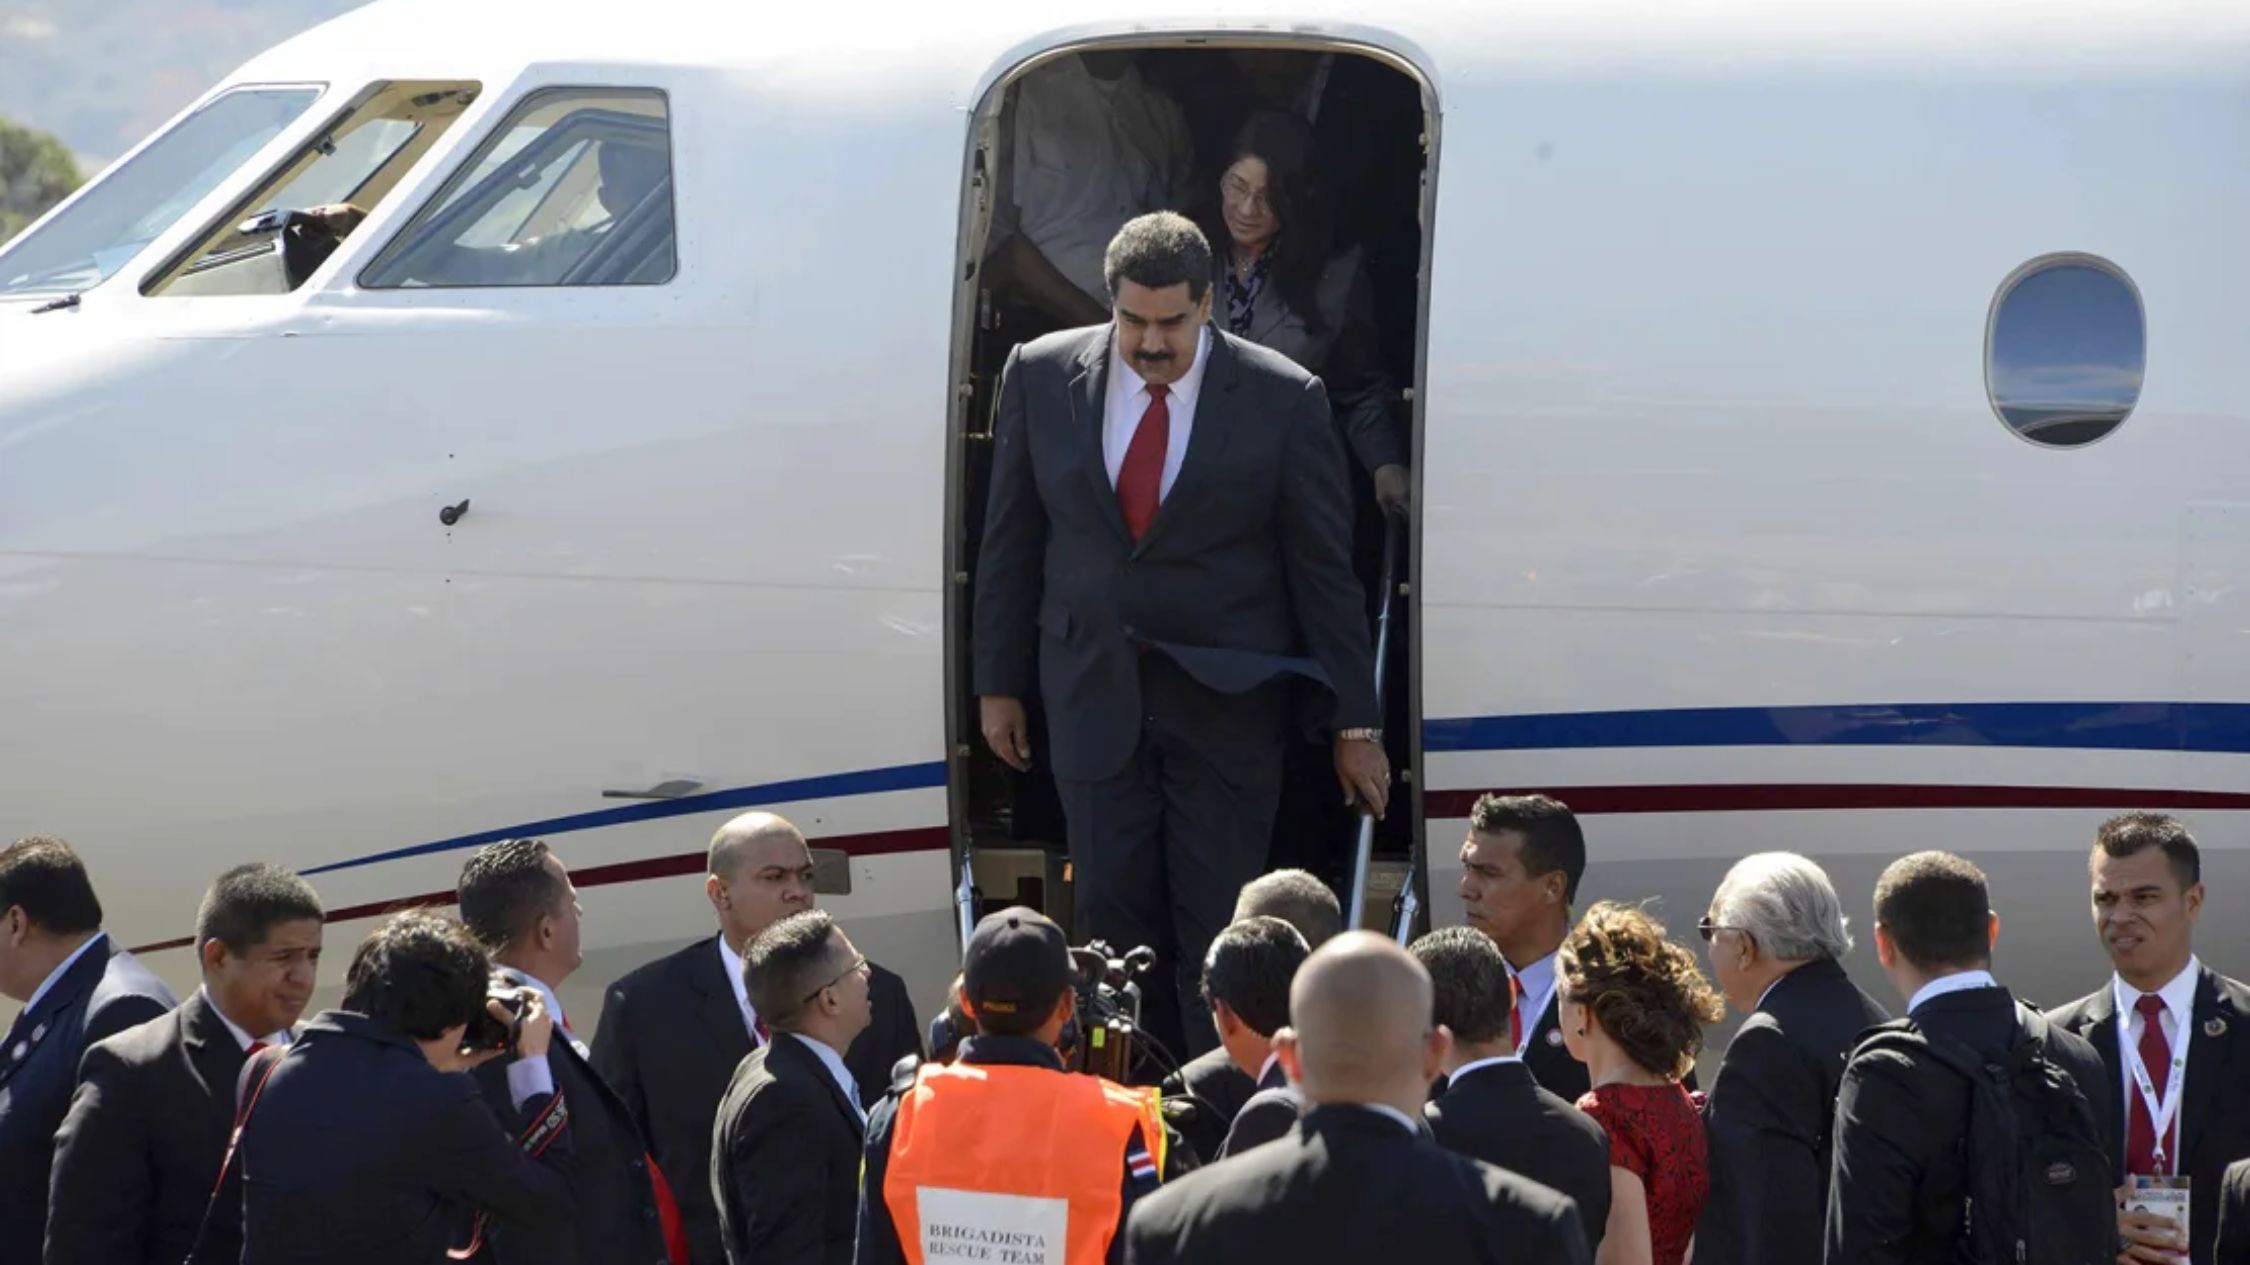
point(128, 208)
point(575, 189)
point(272, 240)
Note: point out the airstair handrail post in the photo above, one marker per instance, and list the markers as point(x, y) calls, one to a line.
point(1363, 853)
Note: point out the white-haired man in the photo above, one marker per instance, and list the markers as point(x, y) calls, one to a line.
point(1777, 936)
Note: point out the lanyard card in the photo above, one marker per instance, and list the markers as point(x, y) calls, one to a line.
point(2164, 1196)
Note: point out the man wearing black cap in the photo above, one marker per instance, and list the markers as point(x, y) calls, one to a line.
point(1002, 1154)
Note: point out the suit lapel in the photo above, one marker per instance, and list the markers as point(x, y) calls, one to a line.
point(2207, 1036)
point(1209, 431)
point(211, 1049)
point(2101, 1032)
point(37, 1023)
point(795, 1054)
point(720, 1013)
point(1089, 402)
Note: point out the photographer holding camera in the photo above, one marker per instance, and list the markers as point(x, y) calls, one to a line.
point(1003, 1151)
point(361, 1144)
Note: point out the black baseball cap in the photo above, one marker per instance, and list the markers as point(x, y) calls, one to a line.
point(1017, 962)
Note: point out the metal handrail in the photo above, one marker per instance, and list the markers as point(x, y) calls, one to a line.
point(1363, 855)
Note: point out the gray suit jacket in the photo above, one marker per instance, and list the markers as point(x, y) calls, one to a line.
point(1244, 578)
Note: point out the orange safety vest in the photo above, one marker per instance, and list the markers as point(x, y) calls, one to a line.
point(1013, 1165)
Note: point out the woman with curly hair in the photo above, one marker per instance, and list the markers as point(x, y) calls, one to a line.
point(1632, 1010)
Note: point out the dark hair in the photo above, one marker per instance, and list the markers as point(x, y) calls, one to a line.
point(1297, 188)
point(1249, 967)
point(1646, 992)
point(506, 888)
point(47, 878)
point(1159, 250)
point(420, 973)
point(1551, 838)
point(1468, 982)
point(2129, 833)
point(1297, 898)
point(248, 902)
point(785, 964)
point(1936, 909)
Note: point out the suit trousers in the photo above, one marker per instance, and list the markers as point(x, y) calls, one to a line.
point(1160, 849)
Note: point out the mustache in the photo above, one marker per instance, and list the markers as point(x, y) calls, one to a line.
point(1152, 357)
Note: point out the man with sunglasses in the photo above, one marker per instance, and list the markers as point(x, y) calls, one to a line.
point(1777, 934)
point(785, 1149)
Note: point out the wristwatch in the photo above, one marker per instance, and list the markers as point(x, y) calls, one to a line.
point(1360, 735)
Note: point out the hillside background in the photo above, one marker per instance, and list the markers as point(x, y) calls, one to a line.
point(101, 74)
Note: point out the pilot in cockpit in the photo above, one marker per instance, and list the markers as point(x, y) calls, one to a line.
point(629, 175)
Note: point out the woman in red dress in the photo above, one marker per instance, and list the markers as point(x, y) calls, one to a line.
point(1633, 1009)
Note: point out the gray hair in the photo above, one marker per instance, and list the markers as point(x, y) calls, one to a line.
point(1787, 905)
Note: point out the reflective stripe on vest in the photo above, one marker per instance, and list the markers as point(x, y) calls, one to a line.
point(1001, 1163)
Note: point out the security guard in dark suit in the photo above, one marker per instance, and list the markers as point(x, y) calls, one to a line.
point(77, 988)
point(517, 898)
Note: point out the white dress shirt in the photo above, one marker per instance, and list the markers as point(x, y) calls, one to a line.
point(1960, 982)
point(1083, 156)
point(240, 1034)
point(1266, 1068)
point(1406, 1122)
point(834, 1062)
point(733, 963)
point(1473, 1065)
point(554, 1008)
point(1536, 984)
point(1128, 399)
point(2179, 1012)
point(99, 938)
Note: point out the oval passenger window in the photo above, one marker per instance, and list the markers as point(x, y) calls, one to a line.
point(2065, 350)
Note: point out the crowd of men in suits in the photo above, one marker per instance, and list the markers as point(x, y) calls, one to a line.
point(754, 1097)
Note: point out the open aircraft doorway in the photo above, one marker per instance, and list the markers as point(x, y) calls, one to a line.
point(1356, 136)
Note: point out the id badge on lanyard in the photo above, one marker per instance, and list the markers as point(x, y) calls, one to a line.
point(2164, 1117)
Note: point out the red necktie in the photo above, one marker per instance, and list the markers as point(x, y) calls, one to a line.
point(1515, 1013)
point(764, 1037)
point(2156, 1058)
point(252, 1052)
point(1140, 478)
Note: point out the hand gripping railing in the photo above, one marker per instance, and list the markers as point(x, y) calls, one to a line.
point(1363, 855)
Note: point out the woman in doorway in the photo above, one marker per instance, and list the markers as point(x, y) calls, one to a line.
point(1632, 1010)
point(1283, 287)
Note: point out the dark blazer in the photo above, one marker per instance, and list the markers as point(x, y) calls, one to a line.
point(2214, 1119)
point(613, 1220)
point(1772, 1116)
point(1244, 577)
point(1549, 1059)
point(103, 993)
point(1268, 1116)
point(1896, 1190)
point(785, 1156)
point(2232, 1244)
point(1499, 1114)
point(1220, 1089)
point(671, 1036)
point(137, 1156)
point(358, 1152)
point(1351, 1185)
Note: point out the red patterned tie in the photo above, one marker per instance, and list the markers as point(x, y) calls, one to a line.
point(1140, 478)
point(1515, 1012)
point(2156, 1058)
point(255, 1047)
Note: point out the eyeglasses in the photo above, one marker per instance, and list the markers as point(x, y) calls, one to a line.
point(1708, 928)
point(1235, 190)
point(858, 964)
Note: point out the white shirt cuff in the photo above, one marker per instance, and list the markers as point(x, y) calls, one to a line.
point(528, 1079)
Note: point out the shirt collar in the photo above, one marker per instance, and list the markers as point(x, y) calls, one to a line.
point(732, 961)
point(1958, 982)
point(241, 1035)
point(1182, 399)
point(1493, 1061)
point(2178, 995)
point(834, 1062)
point(1405, 1121)
point(1538, 983)
point(546, 994)
point(55, 976)
point(1265, 1069)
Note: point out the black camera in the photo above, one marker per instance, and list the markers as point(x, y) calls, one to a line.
point(486, 1032)
point(1103, 1033)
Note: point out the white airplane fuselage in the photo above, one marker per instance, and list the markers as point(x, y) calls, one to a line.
point(1717, 534)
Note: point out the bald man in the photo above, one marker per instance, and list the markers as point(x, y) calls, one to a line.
point(1357, 1180)
point(672, 1032)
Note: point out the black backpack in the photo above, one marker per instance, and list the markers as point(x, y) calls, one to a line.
point(2038, 1188)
